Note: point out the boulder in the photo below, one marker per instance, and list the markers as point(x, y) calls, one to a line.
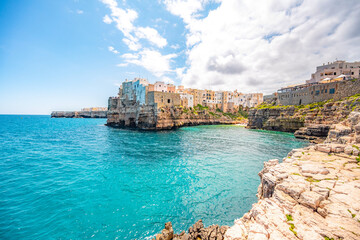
point(310, 199)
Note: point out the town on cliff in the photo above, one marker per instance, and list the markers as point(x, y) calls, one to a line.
point(157, 106)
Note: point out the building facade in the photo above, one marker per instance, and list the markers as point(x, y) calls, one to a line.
point(310, 93)
point(141, 93)
point(337, 69)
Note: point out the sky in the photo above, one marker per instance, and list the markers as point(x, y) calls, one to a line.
point(70, 54)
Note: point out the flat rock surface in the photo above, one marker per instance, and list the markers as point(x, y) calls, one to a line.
point(318, 198)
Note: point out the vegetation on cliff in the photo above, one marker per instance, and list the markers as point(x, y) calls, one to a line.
point(355, 99)
point(310, 121)
point(200, 110)
point(239, 115)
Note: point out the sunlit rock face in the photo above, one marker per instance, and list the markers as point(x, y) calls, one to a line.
point(312, 194)
point(152, 118)
point(311, 122)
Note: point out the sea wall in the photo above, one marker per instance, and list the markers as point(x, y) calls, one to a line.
point(312, 194)
point(79, 114)
point(310, 122)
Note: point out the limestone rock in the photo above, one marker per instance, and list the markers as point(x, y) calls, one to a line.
point(195, 232)
point(310, 199)
point(313, 169)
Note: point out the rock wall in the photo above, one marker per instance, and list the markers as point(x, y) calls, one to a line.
point(310, 122)
point(79, 114)
point(312, 194)
point(147, 117)
point(277, 119)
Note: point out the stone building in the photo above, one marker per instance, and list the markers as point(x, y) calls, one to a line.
point(199, 95)
point(335, 70)
point(163, 99)
point(310, 93)
point(187, 100)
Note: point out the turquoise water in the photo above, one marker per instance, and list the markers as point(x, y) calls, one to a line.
point(78, 179)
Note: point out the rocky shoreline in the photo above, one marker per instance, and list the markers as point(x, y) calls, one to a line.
point(311, 122)
point(313, 194)
point(167, 118)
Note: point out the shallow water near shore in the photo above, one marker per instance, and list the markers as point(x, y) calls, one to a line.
point(78, 179)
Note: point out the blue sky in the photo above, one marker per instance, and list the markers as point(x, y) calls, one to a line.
point(69, 54)
point(54, 54)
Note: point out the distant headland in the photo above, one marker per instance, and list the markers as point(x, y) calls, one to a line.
point(94, 112)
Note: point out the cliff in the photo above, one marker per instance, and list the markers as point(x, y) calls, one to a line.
point(312, 194)
point(151, 118)
point(311, 122)
point(79, 114)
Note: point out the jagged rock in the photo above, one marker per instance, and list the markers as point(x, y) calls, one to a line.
point(167, 233)
point(196, 232)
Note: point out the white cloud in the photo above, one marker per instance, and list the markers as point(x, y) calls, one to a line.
point(132, 43)
point(151, 60)
point(176, 46)
point(113, 50)
point(122, 65)
point(186, 9)
point(167, 80)
point(79, 11)
point(266, 44)
point(107, 19)
point(152, 35)
point(124, 20)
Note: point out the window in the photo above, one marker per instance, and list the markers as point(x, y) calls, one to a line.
point(352, 73)
point(334, 73)
point(325, 90)
point(168, 100)
point(312, 92)
point(332, 90)
point(317, 92)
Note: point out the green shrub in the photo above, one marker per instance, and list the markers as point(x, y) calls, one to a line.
point(327, 238)
point(243, 113)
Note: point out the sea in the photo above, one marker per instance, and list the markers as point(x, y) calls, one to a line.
point(79, 179)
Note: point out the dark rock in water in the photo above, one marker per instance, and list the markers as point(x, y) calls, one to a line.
point(196, 232)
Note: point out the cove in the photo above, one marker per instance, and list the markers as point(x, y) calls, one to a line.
point(78, 179)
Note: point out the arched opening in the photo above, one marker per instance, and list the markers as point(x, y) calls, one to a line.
point(300, 102)
point(132, 123)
